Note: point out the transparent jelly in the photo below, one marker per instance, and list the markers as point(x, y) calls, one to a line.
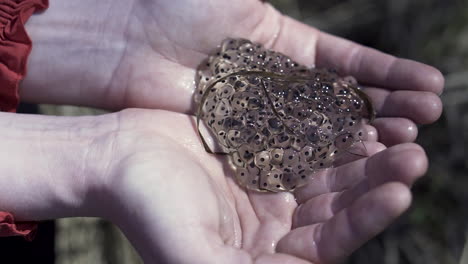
point(279, 121)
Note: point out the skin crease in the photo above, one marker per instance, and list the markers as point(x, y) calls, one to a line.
point(146, 170)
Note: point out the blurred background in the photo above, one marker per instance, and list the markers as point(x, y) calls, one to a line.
point(434, 230)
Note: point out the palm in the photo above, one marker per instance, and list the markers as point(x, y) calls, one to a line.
point(169, 39)
point(199, 213)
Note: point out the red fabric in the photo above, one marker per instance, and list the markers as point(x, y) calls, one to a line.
point(8, 227)
point(15, 47)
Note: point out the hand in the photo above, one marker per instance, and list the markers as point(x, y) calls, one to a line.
point(179, 204)
point(144, 54)
point(121, 54)
point(146, 61)
point(147, 172)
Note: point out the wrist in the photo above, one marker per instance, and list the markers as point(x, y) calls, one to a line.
point(75, 53)
point(52, 166)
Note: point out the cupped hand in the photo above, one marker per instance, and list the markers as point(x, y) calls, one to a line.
point(144, 54)
point(179, 204)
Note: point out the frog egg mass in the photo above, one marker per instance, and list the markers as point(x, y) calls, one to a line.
point(279, 121)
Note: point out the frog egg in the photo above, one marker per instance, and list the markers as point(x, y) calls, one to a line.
point(258, 59)
point(276, 156)
point(288, 109)
point(338, 124)
point(298, 179)
point(247, 49)
point(247, 179)
point(322, 158)
point(258, 143)
point(292, 126)
point(222, 138)
point(312, 135)
point(232, 123)
point(266, 133)
point(245, 153)
point(289, 121)
point(352, 124)
point(233, 138)
point(344, 141)
point(298, 167)
point(237, 161)
point(210, 121)
point(254, 81)
point(231, 44)
point(223, 108)
point(262, 159)
point(239, 85)
point(209, 104)
point(226, 91)
point(297, 143)
point(293, 97)
point(278, 91)
point(275, 125)
point(255, 103)
point(254, 183)
point(350, 80)
point(301, 112)
point(252, 168)
point(233, 56)
point(271, 180)
point(278, 104)
point(220, 66)
point(281, 140)
point(275, 64)
point(248, 133)
point(217, 123)
point(251, 117)
point(240, 100)
point(290, 157)
point(262, 119)
point(289, 181)
point(321, 163)
point(287, 65)
point(307, 154)
point(343, 102)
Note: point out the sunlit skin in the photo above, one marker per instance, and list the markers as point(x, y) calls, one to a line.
point(146, 170)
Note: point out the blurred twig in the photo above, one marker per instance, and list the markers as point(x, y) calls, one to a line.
point(464, 256)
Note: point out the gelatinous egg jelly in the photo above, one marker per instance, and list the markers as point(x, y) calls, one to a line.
point(279, 121)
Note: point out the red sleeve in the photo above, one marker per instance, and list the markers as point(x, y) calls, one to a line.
point(15, 47)
point(8, 227)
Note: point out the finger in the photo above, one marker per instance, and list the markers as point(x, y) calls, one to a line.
point(309, 46)
point(312, 47)
point(421, 107)
point(369, 133)
point(393, 131)
point(402, 163)
point(378, 171)
point(316, 210)
point(357, 151)
point(337, 238)
point(335, 179)
point(374, 67)
point(278, 258)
